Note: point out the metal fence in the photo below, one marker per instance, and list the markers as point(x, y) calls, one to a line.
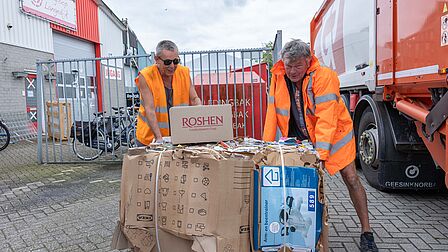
point(86, 105)
point(19, 125)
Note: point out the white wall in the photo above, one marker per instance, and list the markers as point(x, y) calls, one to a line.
point(111, 38)
point(27, 31)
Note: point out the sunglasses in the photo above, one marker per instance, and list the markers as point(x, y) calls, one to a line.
point(168, 62)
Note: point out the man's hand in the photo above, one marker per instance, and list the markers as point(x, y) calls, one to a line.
point(156, 142)
point(196, 101)
point(194, 98)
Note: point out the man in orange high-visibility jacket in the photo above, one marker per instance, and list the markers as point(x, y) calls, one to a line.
point(162, 86)
point(305, 103)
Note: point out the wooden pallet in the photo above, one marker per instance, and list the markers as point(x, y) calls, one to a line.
point(59, 120)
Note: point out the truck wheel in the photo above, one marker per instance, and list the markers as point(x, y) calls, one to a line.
point(389, 155)
point(368, 147)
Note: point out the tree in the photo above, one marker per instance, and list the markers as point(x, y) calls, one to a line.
point(267, 54)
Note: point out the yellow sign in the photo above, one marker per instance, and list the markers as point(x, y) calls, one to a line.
point(445, 9)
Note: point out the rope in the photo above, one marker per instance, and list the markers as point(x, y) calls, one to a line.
point(156, 200)
point(284, 196)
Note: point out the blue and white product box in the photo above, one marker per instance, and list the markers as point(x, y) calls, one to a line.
point(300, 227)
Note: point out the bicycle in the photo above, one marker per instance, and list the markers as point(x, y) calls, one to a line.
point(125, 131)
point(91, 139)
point(5, 136)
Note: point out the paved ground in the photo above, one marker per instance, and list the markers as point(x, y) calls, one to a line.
point(401, 221)
point(74, 207)
point(71, 207)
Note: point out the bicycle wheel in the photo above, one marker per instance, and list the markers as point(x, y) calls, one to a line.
point(4, 136)
point(131, 138)
point(92, 152)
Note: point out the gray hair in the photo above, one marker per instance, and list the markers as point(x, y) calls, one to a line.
point(296, 49)
point(166, 45)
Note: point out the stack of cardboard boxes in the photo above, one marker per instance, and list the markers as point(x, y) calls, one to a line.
point(202, 196)
point(209, 198)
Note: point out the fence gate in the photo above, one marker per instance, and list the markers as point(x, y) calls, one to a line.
point(86, 106)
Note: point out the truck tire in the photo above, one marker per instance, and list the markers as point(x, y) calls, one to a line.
point(385, 167)
point(368, 147)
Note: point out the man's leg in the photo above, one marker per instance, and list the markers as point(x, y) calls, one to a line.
point(359, 199)
point(357, 194)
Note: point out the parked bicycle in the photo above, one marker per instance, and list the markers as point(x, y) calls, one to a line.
point(5, 136)
point(104, 133)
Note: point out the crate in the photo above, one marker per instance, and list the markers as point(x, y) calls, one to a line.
point(59, 120)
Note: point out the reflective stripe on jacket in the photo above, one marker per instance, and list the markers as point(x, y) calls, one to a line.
point(181, 97)
point(327, 119)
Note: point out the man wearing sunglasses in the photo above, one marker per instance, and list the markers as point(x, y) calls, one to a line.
point(162, 86)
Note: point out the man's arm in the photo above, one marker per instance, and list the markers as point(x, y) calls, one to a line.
point(270, 124)
point(148, 104)
point(326, 94)
point(194, 98)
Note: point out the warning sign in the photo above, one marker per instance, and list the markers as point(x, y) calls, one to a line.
point(444, 31)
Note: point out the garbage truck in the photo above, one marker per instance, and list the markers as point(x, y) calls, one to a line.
point(392, 60)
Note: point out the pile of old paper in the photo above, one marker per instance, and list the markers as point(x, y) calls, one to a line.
point(207, 197)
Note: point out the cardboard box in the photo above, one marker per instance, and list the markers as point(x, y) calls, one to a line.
point(201, 124)
point(144, 240)
point(202, 196)
point(268, 162)
point(137, 188)
point(299, 223)
point(195, 186)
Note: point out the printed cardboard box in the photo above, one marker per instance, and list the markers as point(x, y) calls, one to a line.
point(143, 240)
point(267, 162)
point(137, 188)
point(202, 195)
point(299, 223)
point(199, 124)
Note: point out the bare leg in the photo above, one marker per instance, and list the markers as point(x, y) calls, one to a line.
point(357, 195)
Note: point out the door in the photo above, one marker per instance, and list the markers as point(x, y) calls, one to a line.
point(31, 98)
point(75, 78)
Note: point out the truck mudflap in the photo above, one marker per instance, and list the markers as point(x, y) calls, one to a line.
point(410, 176)
point(435, 132)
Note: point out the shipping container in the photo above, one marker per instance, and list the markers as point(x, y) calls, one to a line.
point(245, 92)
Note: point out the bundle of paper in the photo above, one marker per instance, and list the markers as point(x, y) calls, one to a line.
point(197, 195)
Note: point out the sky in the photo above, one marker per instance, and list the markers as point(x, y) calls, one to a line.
point(196, 25)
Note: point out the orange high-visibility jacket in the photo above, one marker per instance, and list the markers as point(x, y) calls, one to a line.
point(181, 97)
point(328, 121)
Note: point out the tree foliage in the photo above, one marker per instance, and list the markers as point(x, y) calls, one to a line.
point(267, 54)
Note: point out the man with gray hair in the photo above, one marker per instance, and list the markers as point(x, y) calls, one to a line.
point(162, 86)
point(305, 103)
